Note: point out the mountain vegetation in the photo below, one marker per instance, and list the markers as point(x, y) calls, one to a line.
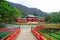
point(53, 17)
point(28, 11)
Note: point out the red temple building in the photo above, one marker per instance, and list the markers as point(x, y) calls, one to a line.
point(20, 20)
point(31, 18)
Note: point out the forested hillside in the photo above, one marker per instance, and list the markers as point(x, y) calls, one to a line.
point(27, 11)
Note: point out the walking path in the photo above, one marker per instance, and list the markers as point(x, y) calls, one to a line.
point(26, 34)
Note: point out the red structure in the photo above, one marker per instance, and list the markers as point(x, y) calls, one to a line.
point(31, 18)
point(20, 20)
point(40, 35)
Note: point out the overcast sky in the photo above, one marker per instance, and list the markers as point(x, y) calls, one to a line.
point(44, 5)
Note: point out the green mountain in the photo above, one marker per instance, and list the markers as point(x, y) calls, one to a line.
point(27, 10)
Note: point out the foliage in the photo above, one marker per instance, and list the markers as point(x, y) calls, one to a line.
point(8, 14)
point(53, 17)
point(47, 19)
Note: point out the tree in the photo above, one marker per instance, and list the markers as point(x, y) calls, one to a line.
point(8, 13)
point(53, 17)
point(17, 12)
point(47, 19)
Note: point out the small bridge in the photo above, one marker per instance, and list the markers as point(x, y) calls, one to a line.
point(26, 33)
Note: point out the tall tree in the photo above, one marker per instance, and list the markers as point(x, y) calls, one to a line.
point(8, 13)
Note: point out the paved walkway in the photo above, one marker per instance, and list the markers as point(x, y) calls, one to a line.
point(26, 34)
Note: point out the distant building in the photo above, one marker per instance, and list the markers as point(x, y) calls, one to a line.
point(31, 18)
point(19, 19)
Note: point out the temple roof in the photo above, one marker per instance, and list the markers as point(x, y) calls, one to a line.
point(30, 16)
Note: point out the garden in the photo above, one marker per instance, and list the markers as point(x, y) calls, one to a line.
point(53, 33)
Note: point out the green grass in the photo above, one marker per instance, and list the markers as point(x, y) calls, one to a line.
point(58, 32)
point(46, 35)
point(49, 36)
point(3, 34)
point(54, 36)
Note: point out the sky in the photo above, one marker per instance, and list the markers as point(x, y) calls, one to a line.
point(44, 5)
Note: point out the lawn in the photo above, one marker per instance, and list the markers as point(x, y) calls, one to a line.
point(55, 35)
